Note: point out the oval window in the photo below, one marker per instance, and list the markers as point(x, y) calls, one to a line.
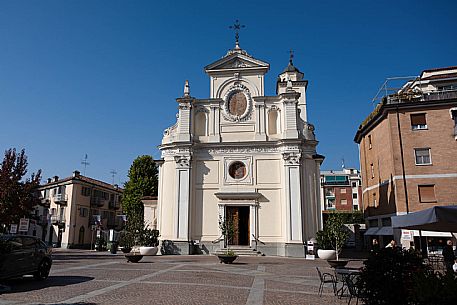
point(237, 170)
point(237, 104)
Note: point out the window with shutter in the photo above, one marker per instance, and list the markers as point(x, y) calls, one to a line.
point(418, 121)
point(427, 193)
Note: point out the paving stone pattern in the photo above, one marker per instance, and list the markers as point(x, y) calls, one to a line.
point(87, 277)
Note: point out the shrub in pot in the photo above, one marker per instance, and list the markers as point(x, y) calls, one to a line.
point(228, 231)
point(149, 241)
point(334, 235)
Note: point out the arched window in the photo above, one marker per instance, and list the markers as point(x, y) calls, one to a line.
point(81, 236)
point(200, 124)
point(273, 122)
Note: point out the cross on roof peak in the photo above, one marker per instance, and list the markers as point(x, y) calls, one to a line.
point(291, 56)
point(237, 26)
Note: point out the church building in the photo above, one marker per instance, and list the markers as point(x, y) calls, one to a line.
point(242, 156)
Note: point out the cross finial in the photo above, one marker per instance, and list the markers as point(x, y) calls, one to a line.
point(291, 56)
point(237, 27)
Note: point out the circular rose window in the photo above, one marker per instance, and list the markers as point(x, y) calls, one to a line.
point(237, 170)
point(237, 104)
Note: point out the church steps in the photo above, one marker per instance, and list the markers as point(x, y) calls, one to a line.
point(240, 251)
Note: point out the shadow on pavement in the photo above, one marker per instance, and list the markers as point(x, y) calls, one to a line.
point(79, 303)
point(65, 257)
point(29, 284)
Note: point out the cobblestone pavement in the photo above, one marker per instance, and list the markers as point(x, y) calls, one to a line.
point(85, 277)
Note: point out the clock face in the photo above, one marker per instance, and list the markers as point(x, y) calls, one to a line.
point(237, 104)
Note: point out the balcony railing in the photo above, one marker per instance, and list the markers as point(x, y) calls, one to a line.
point(60, 198)
point(114, 205)
point(57, 220)
point(97, 201)
point(45, 202)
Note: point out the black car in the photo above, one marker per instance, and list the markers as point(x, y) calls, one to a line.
point(22, 255)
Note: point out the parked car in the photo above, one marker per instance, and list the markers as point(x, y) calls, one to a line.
point(23, 255)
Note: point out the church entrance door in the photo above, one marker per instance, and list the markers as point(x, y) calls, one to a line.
point(239, 216)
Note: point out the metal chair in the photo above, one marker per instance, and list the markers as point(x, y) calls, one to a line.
point(326, 278)
point(354, 291)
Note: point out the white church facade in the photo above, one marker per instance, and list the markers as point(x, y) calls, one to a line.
point(243, 156)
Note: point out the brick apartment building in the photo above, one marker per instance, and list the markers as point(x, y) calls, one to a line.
point(408, 153)
point(341, 190)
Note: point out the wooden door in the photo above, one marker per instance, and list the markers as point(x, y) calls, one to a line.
point(239, 217)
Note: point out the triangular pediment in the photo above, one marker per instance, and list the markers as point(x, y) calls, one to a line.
point(237, 61)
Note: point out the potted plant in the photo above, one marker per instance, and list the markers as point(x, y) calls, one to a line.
point(126, 241)
point(333, 237)
point(228, 230)
point(149, 242)
point(100, 243)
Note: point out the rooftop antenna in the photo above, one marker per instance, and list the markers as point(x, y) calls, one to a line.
point(342, 163)
point(85, 163)
point(237, 27)
point(113, 173)
point(291, 56)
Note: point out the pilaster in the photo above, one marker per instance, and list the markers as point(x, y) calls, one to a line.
point(181, 221)
point(214, 120)
point(290, 115)
point(183, 131)
point(260, 128)
point(293, 200)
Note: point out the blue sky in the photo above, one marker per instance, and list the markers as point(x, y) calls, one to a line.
point(101, 77)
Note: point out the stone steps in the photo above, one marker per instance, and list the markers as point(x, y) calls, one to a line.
point(240, 251)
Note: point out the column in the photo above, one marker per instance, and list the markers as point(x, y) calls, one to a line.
point(293, 197)
point(181, 225)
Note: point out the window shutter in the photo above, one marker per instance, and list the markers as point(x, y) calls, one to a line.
point(418, 119)
point(427, 193)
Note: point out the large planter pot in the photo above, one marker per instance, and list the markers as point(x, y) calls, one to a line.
point(126, 249)
point(326, 254)
point(133, 258)
point(226, 259)
point(337, 264)
point(149, 250)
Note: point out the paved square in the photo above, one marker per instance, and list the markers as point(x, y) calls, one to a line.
point(86, 277)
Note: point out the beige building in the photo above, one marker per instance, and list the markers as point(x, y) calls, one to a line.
point(243, 156)
point(408, 149)
point(76, 207)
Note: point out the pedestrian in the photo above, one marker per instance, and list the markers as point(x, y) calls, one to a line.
point(392, 245)
point(375, 246)
point(448, 256)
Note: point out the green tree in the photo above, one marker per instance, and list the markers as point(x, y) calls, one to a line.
point(334, 234)
point(142, 182)
point(17, 196)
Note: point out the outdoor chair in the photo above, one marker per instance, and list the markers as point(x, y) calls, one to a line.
point(354, 291)
point(326, 278)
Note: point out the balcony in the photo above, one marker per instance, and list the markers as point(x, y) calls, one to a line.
point(45, 202)
point(60, 198)
point(57, 220)
point(114, 205)
point(97, 201)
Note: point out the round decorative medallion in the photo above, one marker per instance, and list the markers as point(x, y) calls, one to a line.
point(237, 104)
point(237, 170)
